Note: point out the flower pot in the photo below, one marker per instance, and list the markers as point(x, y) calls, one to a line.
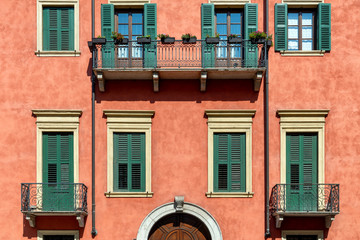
point(234, 40)
point(143, 40)
point(212, 40)
point(122, 41)
point(269, 43)
point(191, 40)
point(168, 40)
point(100, 41)
point(257, 40)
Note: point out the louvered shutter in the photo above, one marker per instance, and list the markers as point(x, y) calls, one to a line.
point(324, 26)
point(207, 29)
point(281, 25)
point(251, 25)
point(129, 162)
point(107, 26)
point(66, 29)
point(150, 28)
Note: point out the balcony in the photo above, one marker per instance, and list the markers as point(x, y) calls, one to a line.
point(199, 61)
point(54, 199)
point(305, 200)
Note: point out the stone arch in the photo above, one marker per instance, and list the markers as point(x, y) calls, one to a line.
point(188, 208)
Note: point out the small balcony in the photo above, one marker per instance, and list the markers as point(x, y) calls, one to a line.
point(201, 61)
point(54, 199)
point(305, 200)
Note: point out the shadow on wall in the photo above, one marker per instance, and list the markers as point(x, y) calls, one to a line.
point(178, 90)
point(52, 223)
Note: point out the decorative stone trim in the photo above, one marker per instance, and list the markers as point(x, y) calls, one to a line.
point(152, 218)
point(302, 2)
point(228, 194)
point(319, 233)
point(230, 121)
point(128, 121)
point(229, 2)
point(129, 2)
point(314, 53)
point(41, 233)
point(57, 53)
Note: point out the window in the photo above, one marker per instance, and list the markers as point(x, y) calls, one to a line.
point(58, 28)
point(307, 29)
point(58, 235)
point(129, 153)
point(302, 235)
point(229, 153)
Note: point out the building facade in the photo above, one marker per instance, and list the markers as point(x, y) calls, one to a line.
point(110, 132)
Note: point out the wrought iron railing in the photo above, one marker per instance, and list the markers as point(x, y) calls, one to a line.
point(180, 55)
point(53, 197)
point(305, 198)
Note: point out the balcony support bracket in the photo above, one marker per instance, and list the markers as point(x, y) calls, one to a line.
point(101, 81)
point(279, 219)
point(328, 221)
point(257, 81)
point(31, 219)
point(80, 219)
point(203, 79)
point(156, 81)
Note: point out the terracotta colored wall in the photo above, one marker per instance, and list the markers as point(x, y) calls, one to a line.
point(179, 130)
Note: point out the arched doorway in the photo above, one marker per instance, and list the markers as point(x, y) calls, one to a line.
point(179, 226)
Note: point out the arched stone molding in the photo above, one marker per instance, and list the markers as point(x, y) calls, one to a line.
point(189, 208)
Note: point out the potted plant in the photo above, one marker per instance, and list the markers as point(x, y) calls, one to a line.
point(144, 39)
point(212, 40)
point(258, 37)
point(233, 38)
point(99, 40)
point(166, 39)
point(188, 38)
point(119, 38)
point(269, 42)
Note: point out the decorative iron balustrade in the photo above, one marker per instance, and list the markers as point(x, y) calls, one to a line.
point(53, 197)
point(180, 55)
point(305, 198)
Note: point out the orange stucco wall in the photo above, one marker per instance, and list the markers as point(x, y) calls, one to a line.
point(179, 129)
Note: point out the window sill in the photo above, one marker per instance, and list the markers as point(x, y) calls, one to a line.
point(129, 194)
point(229, 194)
point(57, 53)
point(314, 53)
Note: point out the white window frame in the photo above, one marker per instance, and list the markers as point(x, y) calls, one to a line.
point(303, 121)
point(41, 233)
point(230, 121)
point(127, 3)
point(40, 4)
point(128, 121)
point(319, 233)
point(56, 121)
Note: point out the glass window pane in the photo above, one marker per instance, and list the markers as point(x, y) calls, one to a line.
point(293, 19)
point(307, 45)
point(136, 50)
point(307, 32)
point(235, 52)
point(123, 18)
point(221, 17)
point(221, 29)
point(235, 17)
point(307, 19)
point(293, 45)
point(235, 29)
point(137, 29)
point(123, 29)
point(122, 52)
point(293, 32)
point(137, 18)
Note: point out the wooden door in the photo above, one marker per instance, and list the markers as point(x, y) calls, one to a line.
point(179, 227)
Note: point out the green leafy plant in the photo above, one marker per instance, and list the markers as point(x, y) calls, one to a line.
point(258, 35)
point(117, 36)
point(233, 35)
point(217, 35)
point(163, 35)
point(269, 37)
point(187, 36)
point(146, 36)
point(100, 36)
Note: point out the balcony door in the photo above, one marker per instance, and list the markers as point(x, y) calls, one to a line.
point(58, 172)
point(301, 172)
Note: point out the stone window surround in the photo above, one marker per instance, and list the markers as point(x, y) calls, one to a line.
point(302, 121)
point(127, 3)
point(319, 233)
point(56, 121)
point(41, 233)
point(40, 4)
point(229, 3)
point(128, 121)
point(230, 121)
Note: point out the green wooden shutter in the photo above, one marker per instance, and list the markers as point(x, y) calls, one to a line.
point(150, 28)
point(251, 25)
point(281, 15)
point(58, 29)
point(129, 162)
point(229, 162)
point(107, 26)
point(207, 29)
point(324, 27)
